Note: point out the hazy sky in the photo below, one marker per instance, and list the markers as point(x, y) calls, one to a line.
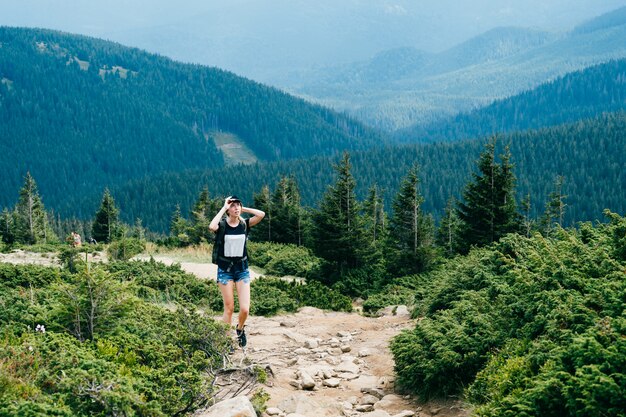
point(256, 37)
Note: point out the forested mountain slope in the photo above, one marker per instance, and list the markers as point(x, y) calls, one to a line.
point(82, 113)
point(588, 154)
point(578, 95)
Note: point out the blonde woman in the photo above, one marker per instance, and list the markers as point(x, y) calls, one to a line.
point(232, 261)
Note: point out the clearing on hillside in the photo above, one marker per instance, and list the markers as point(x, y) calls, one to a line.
point(234, 149)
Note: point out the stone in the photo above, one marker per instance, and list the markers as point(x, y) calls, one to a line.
point(332, 382)
point(345, 348)
point(434, 410)
point(311, 344)
point(369, 399)
point(331, 360)
point(300, 404)
point(288, 324)
point(348, 376)
point(362, 408)
point(365, 352)
point(344, 334)
point(392, 397)
point(377, 392)
point(335, 351)
point(349, 367)
point(273, 411)
point(233, 407)
point(306, 380)
point(405, 413)
point(302, 351)
point(377, 413)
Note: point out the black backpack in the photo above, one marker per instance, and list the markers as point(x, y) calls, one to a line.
point(219, 239)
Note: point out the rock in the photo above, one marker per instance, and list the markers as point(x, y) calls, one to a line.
point(405, 413)
point(347, 405)
point(292, 361)
point(398, 311)
point(288, 324)
point(362, 408)
point(376, 392)
point(331, 360)
point(345, 348)
point(310, 311)
point(344, 334)
point(335, 351)
point(295, 383)
point(369, 399)
point(392, 397)
point(435, 410)
point(234, 407)
point(377, 413)
point(273, 411)
point(348, 376)
point(365, 352)
point(306, 380)
point(332, 382)
point(311, 344)
point(403, 311)
point(349, 367)
point(300, 404)
point(354, 400)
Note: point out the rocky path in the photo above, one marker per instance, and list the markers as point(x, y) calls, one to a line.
point(329, 364)
point(318, 363)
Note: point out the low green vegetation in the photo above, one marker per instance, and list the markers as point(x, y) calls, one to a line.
point(123, 338)
point(526, 327)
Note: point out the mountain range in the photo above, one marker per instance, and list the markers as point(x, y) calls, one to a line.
point(76, 105)
point(404, 87)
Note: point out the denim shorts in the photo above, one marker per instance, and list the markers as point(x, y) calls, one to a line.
point(235, 276)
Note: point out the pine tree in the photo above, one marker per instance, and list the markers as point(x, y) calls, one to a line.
point(286, 212)
point(31, 219)
point(410, 230)
point(488, 210)
point(201, 215)
point(7, 230)
point(448, 231)
point(106, 227)
point(262, 232)
point(179, 228)
point(336, 232)
point(555, 208)
point(528, 224)
point(374, 226)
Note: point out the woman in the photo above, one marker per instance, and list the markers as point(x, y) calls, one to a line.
point(232, 263)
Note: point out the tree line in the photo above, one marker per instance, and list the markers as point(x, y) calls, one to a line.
point(362, 243)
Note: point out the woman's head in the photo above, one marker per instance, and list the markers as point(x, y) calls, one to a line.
point(234, 210)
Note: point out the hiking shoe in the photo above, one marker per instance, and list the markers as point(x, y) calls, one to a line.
point(242, 340)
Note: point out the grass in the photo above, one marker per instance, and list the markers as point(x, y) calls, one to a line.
point(234, 149)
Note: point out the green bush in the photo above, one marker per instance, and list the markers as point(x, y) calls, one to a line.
point(284, 259)
point(84, 345)
point(268, 298)
point(157, 282)
point(124, 249)
point(531, 326)
point(271, 296)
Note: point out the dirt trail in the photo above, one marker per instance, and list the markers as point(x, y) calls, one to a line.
point(318, 343)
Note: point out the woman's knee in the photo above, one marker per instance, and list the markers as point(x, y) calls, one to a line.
point(229, 307)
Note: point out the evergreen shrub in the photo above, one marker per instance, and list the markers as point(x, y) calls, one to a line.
point(527, 327)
